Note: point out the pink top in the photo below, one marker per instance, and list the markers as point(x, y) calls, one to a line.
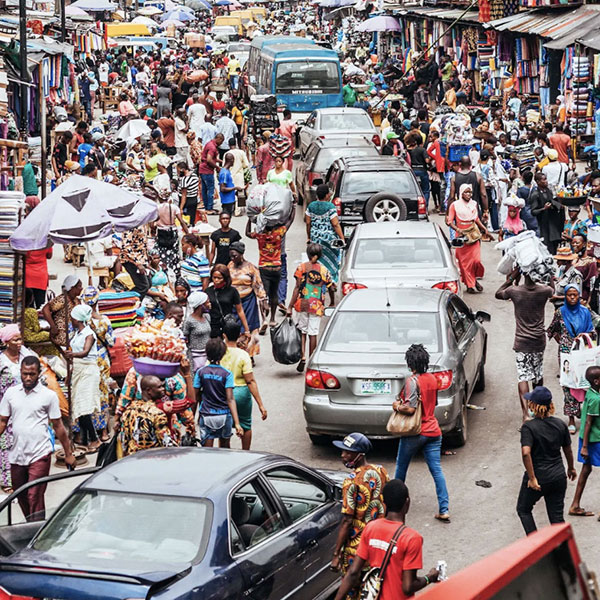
point(167, 212)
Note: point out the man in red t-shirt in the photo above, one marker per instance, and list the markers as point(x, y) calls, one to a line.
point(167, 125)
point(206, 169)
point(400, 579)
point(561, 142)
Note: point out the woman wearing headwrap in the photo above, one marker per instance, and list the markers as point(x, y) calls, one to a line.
point(570, 320)
point(196, 329)
point(10, 374)
point(85, 375)
point(463, 217)
point(245, 278)
point(134, 159)
point(58, 311)
point(513, 224)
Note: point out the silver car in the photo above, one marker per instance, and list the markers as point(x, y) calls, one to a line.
point(337, 122)
point(399, 254)
point(358, 367)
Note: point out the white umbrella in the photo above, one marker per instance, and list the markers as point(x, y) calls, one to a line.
point(172, 22)
point(149, 11)
point(76, 13)
point(145, 21)
point(95, 5)
point(133, 128)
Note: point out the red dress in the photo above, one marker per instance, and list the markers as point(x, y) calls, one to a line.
point(36, 268)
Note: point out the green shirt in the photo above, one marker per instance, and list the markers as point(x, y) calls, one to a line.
point(591, 407)
point(30, 187)
point(150, 174)
point(349, 95)
point(284, 178)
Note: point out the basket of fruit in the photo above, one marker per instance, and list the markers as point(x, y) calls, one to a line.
point(572, 196)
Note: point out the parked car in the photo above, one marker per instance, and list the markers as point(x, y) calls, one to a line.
point(388, 254)
point(358, 367)
point(311, 168)
point(183, 523)
point(337, 122)
point(382, 188)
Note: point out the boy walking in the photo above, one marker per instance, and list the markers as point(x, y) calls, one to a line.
point(589, 439)
point(214, 391)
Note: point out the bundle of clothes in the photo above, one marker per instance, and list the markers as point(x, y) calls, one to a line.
point(526, 251)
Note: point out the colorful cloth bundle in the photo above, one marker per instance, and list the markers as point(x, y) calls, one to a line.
point(119, 307)
point(280, 146)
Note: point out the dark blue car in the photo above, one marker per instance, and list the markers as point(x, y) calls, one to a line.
point(182, 523)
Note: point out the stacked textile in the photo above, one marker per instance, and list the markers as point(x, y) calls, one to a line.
point(580, 108)
point(119, 307)
point(524, 155)
point(11, 271)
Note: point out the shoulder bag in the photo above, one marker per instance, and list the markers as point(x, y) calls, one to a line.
point(373, 578)
point(407, 425)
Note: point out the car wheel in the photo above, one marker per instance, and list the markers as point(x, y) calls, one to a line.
point(319, 440)
point(458, 436)
point(385, 207)
point(480, 385)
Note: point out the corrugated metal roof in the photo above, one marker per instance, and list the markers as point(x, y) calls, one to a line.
point(591, 39)
point(445, 14)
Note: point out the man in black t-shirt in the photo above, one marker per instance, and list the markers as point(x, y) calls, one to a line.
point(542, 439)
point(222, 239)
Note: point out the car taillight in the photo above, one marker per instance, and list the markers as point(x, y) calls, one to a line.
point(376, 140)
point(350, 287)
point(321, 380)
point(4, 595)
point(421, 206)
point(444, 379)
point(312, 176)
point(337, 202)
point(447, 285)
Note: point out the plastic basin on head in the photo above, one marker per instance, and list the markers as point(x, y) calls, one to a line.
point(160, 368)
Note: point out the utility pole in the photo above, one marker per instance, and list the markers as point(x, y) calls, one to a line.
point(63, 23)
point(24, 71)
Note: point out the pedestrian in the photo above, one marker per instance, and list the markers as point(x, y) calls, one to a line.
point(463, 217)
point(227, 187)
point(549, 212)
point(419, 162)
point(264, 158)
point(313, 280)
point(238, 361)
point(570, 320)
point(555, 171)
point(542, 439)
point(143, 425)
point(221, 239)
point(196, 329)
point(288, 128)
point(401, 579)
point(281, 176)
point(422, 386)
point(226, 126)
point(561, 142)
point(589, 439)
point(362, 501)
point(529, 304)
point(194, 268)
point(85, 376)
point(36, 274)
point(206, 170)
point(58, 311)
point(323, 228)
point(224, 300)
point(214, 394)
point(29, 406)
point(466, 175)
point(189, 185)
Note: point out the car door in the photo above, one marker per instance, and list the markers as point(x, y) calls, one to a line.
point(314, 514)
point(307, 133)
point(266, 552)
point(465, 330)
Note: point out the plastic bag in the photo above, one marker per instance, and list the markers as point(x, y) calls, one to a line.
point(286, 342)
point(269, 205)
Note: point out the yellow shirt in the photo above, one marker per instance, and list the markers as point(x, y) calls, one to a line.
point(238, 115)
point(239, 363)
point(233, 65)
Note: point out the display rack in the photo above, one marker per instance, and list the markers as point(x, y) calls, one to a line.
point(12, 264)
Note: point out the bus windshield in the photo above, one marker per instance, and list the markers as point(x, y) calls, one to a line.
point(316, 77)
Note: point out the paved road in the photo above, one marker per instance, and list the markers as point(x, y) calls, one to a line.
point(483, 520)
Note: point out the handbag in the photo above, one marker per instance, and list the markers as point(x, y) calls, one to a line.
point(407, 425)
point(373, 578)
point(574, 364)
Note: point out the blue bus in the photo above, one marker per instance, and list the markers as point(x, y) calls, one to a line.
point(262, 41)
point(303, 77)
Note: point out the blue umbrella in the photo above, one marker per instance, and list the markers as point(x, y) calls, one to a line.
point(223, 3)
point(178, 14)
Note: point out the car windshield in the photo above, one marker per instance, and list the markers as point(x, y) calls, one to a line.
point(311, 76)
point(382, 332)
point(115, 530)
point(346, 122)
point(364, 182)
point(405, 253)
point(235, 48)
point(326, 157)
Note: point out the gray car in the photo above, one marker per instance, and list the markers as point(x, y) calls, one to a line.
point(337, 122)
point(399, 254)
point(358, 367)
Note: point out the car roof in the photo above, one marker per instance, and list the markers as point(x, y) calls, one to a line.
point(336, 110)
point(402, 229)
point(352, 141)
point(186, 471)
point(381, 163)
point(393, 300)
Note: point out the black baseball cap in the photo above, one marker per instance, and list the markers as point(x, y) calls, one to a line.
point(354, 442)
point(540, 395)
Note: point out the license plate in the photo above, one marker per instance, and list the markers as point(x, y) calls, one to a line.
point(376, 386)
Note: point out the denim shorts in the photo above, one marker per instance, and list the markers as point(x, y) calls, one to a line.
point(212, 429)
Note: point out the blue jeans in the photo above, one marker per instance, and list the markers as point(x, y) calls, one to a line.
point(283, 283)
point(208, 190)
point(432, 448)
point(423, 177)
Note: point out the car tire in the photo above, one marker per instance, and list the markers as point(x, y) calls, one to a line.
point(319, 440)
point(385, 207)
point(458, 436)
point(480, 385)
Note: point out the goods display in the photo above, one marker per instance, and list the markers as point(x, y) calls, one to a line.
point(156, 340)
point(119, 307)
point(572, 195)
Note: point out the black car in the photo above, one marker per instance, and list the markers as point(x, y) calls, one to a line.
point(382, 188)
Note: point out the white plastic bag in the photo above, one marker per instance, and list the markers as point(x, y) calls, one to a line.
point(269, 205)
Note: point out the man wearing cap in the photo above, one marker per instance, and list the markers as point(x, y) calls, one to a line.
point(542, 439)
point(393, 146)
point(555, 171)
point(361, 497)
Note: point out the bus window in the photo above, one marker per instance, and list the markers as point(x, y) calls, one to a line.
point(298, 77)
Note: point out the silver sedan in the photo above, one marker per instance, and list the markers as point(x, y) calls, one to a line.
point(358, 367)
point(399, 254)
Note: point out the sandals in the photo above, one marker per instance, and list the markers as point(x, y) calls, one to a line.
point(263, 328)
point(478, 286)
point(472, 291)
point(580, 512)
point(445, 518)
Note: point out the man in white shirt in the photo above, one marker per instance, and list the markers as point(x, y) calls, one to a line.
point(29, 406)
point(555, 170)
point(196, 115)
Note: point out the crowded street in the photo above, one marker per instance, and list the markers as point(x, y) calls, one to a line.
point(299, 300)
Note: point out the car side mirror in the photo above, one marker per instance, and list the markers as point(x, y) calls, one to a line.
point(483, 317)
point(457, 242)
point(329, 310)
point(300, 123)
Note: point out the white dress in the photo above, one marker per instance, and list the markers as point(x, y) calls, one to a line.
point(85, 378)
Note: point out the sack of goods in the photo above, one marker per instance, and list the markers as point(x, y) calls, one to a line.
point(528, 252)
point(269, 205)
point(286, 342)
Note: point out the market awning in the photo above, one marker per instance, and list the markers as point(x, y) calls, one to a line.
point(592, 26)
point(591, 39)
point(443, 14)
